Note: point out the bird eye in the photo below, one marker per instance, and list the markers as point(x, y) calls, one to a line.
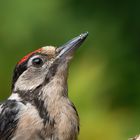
point(38, 62)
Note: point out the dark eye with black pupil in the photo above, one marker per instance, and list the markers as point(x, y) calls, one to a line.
point(37, 62)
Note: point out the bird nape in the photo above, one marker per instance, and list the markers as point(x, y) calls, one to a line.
point(39, 107)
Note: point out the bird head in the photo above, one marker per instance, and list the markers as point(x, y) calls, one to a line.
point(41, 66)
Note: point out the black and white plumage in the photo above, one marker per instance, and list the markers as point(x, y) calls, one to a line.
point(39, 108)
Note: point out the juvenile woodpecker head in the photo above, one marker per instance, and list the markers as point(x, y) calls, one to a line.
point(39, 67)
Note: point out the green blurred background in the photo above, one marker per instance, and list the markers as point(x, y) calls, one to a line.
point(104, 79)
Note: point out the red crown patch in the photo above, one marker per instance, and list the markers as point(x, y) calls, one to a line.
point(28, 55)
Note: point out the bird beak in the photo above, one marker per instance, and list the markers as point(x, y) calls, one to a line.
point(70, 47)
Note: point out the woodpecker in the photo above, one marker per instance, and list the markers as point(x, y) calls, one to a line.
point(39, 107)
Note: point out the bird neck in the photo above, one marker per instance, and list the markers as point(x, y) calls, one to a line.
point(57, 87)
point(60, 108)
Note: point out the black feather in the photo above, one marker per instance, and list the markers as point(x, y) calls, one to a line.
point(34, 98)
point(8, 121)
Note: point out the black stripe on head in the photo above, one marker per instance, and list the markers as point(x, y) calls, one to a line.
point(19, 69)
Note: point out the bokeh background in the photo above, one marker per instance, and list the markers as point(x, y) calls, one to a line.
point(104, 77)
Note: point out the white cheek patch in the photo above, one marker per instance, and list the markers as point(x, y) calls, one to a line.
point(29, 81)
point(33, 77)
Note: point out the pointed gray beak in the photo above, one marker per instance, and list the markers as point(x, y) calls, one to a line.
point(71, 45)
